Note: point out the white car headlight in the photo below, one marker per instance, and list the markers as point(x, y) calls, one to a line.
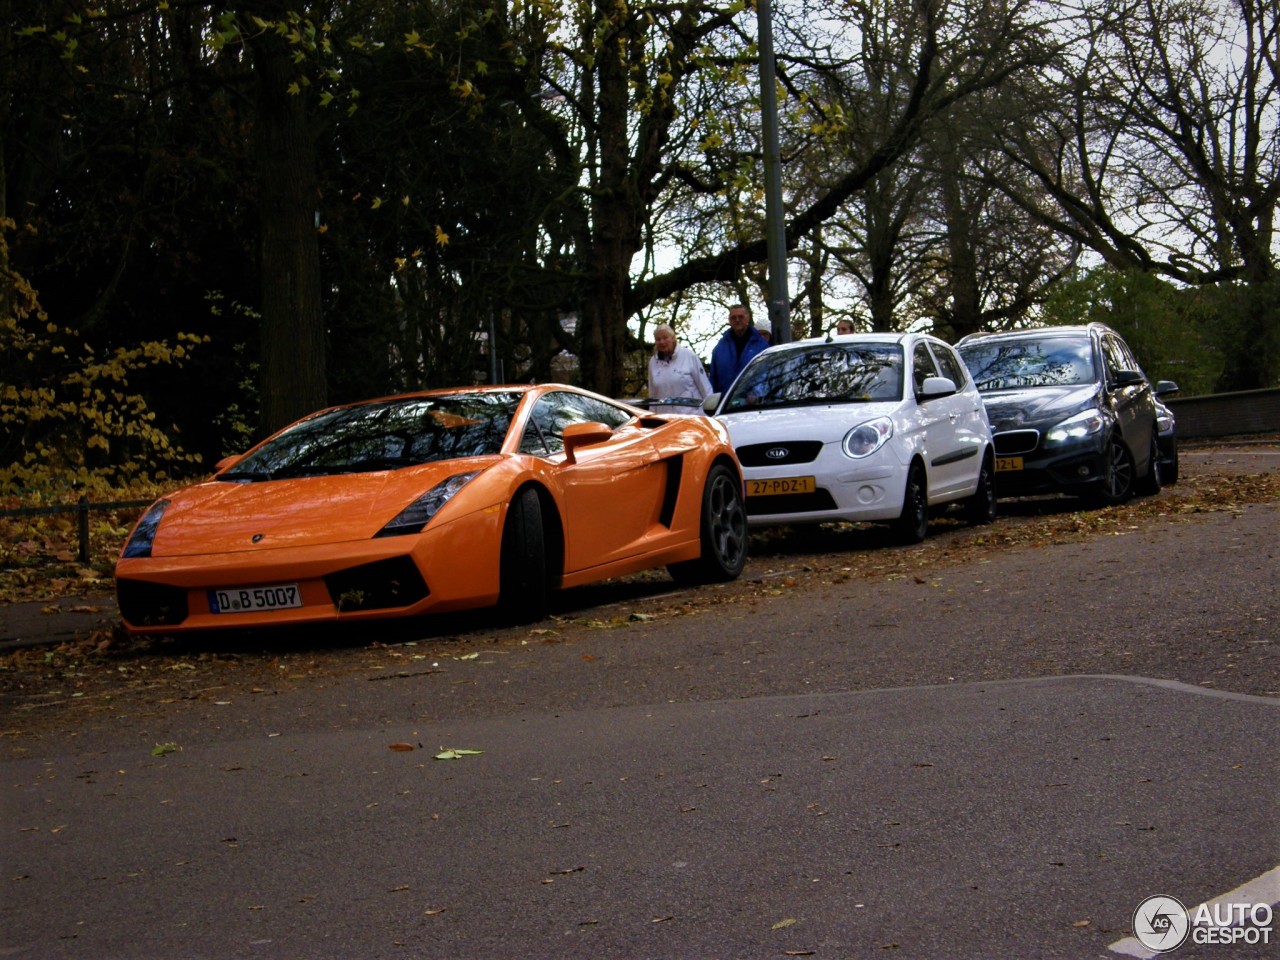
point(866, 438)
point(1083, 424)
point(419, 513)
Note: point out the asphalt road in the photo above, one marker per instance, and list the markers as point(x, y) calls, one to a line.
point(1000, 757)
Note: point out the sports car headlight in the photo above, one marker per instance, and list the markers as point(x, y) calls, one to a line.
point(1074, 428)
point(419, 513)
point(139, 543)
point(866, 438)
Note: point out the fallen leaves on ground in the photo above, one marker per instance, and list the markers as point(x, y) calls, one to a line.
point(46, 685)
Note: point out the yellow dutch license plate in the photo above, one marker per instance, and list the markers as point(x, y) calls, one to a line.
point(781, 485)
point(1008, 464)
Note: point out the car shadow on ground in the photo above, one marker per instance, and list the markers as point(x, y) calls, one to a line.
point(587, 602)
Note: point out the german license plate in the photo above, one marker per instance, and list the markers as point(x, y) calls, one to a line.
point(281, 596)
point(780, 485)
point(1008, 464)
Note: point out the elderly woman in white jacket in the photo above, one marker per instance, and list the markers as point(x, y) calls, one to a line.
point(675, 373)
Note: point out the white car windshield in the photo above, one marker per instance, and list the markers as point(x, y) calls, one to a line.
point(819, 374)
point(1033, 362)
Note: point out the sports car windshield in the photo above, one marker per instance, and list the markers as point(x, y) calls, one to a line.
point(1034, 362)
point(383, 436)
point(820, 374)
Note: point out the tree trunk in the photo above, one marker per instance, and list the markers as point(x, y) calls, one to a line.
point(293, 375)
point(615, 209)
point(965, 315)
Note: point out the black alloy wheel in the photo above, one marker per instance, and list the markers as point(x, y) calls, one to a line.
point(912, 525)
point(524, 589)
point(1169, 464)
point(980, 508)
point(1152, 483)
point(722, 529)
point(1117, 475)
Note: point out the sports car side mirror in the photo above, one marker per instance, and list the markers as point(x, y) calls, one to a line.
point(587, 434)
point(226, 462)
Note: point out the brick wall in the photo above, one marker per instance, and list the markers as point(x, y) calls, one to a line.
point(1227, 414)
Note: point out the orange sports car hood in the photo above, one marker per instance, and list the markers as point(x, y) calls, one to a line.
point(226, 517)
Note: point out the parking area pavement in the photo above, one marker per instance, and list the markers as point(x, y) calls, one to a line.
point(1004, 819)
point(54, 621)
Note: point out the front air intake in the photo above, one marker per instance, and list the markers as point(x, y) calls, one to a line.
point(376, 586)
point(144, 604)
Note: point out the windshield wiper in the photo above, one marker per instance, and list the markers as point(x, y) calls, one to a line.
point(794, 402)
point(244, 476)
point(379, 463)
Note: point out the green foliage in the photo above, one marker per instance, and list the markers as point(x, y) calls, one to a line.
point(68, 417)
point(1246, 320)
point(1172, 331)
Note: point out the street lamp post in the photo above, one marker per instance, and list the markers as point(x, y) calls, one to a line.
point(775, 224)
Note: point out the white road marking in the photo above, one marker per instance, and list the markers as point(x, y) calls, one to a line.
point(1263, 889)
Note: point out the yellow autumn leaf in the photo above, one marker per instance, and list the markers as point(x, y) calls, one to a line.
point(442, 238)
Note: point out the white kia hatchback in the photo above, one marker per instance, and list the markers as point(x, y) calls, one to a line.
point(862, 427)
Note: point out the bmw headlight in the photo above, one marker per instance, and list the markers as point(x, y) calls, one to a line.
point(866, 438)
point(139, 543)
point(1083, 424)
point(1164, 421)
point(419, 513)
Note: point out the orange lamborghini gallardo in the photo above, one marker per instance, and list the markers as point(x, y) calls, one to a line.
point(437, 501)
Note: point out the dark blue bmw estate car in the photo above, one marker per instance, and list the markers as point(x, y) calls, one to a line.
point(1071, 412)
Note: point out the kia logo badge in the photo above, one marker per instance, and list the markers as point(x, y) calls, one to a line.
point(776, 453)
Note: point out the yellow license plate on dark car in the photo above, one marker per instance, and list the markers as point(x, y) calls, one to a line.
point(781, 485)
point(1008, 464)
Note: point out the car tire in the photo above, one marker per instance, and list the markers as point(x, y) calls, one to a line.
point(1117, 473)
point(1169, 464)
point(1151, 484)
point(912, 524)
point(980, 509)
point(523, 584)
point(722, 530)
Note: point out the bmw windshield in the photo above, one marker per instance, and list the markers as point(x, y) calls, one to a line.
point(818, 374)
point(383, 435)
point(1000, 364)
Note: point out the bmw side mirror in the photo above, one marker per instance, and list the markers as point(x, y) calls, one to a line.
point(1128, 378)
point(710, 403)
point(1166, 388)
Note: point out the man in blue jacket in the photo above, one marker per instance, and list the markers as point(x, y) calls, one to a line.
point(735, 348)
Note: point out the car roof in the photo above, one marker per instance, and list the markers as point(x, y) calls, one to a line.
point(838, 338)
point(517, 388)
point(1029, 333)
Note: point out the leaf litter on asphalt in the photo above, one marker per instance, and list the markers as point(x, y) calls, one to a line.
point(52, 685)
